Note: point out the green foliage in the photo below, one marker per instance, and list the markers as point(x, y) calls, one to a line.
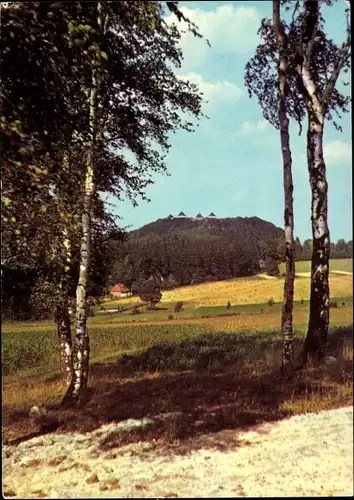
point(271, 267)
point(150, 292)
point(261, 69)
point(44, 298)
point(50, 52)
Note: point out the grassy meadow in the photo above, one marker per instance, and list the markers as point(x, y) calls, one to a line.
point(304, 266)
point(211, 363)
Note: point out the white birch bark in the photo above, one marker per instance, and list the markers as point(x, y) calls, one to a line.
point(317, 333)
point(78, 386)
point(287, 308)
point(63, 316)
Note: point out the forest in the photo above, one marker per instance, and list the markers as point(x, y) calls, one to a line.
point(189, 251)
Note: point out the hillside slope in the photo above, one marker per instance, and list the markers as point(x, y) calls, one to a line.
point(188, 251)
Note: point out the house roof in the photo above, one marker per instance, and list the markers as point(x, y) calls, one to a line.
point(181, 214)
point(199, 216)
point(211, 214)
point(120, 287)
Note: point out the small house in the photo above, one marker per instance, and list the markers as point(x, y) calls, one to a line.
point(120, 290)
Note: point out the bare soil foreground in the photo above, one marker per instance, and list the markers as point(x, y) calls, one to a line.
point(305, 455)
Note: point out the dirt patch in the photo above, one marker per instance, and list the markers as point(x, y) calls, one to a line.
point(305, 455)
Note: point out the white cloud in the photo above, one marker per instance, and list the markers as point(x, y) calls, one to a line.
point(230, 30)
point(337, 150)
point(214, 91)
point(249, 128)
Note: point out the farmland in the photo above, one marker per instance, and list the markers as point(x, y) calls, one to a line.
point(242, 291)
point(205, 337)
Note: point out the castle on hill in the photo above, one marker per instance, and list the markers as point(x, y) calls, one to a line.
point(199, 216)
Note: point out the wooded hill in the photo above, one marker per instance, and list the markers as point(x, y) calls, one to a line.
point(192, 250)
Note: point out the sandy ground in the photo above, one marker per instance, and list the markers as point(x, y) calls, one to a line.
point(266, 276)
point(308, 274)
point(306, 455)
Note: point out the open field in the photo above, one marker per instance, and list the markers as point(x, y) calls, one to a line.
point(253, 290)
point(249, 315)
point(208, 363)
point(141, 370)
point(304, 266)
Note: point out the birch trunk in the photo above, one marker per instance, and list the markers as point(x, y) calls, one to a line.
point(287, 308)
point(77, 388)
point(65, 342)
point(319, 300)
point(316, 105)
point(62, 310)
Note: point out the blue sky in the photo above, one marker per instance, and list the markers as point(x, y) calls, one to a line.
point(226, 167)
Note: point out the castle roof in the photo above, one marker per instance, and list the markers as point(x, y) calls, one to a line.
point(181, 214)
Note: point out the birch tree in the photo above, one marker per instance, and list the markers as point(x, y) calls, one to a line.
point(287, 309)
point(101, 83)
point(318, 93)
point(314, 65)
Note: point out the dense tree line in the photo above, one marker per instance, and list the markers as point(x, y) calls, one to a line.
point(187, 252)
point(340, 250)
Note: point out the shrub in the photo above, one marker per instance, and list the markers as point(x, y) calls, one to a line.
point(170, 316)
point(178, 306)
point(271, 302)
point(135, 310)
point(302, 300)
point(333, 304)
point(150, 292)
point(228, 306)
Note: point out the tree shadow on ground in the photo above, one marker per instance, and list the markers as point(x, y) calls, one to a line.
point(199, 392)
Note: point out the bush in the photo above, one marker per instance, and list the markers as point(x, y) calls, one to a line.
point(135, 310)
point(271, 302)
point(228, 306)
point(178, 306)
point(170, 316)
point(333, 304)
point(150, 292)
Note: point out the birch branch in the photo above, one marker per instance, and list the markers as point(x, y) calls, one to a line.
point(344, 52)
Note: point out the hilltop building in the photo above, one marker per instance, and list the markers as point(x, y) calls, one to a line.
point(199, 216)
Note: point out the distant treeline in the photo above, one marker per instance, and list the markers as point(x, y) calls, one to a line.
point(188, 252)
point(182, 251)
point(340, 250)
